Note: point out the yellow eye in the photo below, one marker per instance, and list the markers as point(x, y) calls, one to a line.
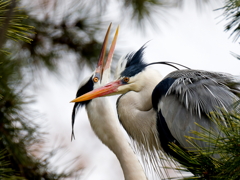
point(126, 79)
point(95, 79)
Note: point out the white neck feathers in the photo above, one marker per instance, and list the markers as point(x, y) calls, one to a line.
point(136, 113)
point(107, 127)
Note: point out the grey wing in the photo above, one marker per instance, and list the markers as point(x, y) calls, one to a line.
point(181, 122)
point(192, 96)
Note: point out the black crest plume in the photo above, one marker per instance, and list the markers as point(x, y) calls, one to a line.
point(135, 63)
point(87, 87)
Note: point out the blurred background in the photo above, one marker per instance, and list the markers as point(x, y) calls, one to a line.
point(48, 47)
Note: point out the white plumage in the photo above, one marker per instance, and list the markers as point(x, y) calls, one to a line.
point(104, 121)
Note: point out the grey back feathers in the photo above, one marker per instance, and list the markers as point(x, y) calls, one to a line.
point(203, 91)
point(186, 97)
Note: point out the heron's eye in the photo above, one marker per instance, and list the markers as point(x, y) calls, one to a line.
point(95, 79)
point(126, 79)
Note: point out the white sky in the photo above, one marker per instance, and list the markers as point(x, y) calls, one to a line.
point(189, 37)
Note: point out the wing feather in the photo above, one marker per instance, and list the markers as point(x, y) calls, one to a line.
point(204, 90)
point(191, 97)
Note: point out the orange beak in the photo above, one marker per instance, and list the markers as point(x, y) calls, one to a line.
point(111, 51)
point(111, 87)
point(99, 69)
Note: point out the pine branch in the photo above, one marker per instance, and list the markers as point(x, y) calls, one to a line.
point(5, 25)
point(11, 26)
point(232, 14)
point(221, 160)
point(7, 173)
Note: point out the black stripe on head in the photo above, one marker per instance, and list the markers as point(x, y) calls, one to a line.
point(82, 90)
point(135, 63)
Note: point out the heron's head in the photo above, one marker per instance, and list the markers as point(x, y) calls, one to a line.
point(132, 76)
point(100, 76)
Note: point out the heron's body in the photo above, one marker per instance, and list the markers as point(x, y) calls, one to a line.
point(185, 98)
point(172, 108)
point(105, 123)
point(156, 111)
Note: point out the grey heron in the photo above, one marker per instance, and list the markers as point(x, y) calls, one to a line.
point(103, 120)
point(156, 111)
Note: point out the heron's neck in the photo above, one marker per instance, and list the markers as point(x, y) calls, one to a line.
point(108, 129)
point(137, 115)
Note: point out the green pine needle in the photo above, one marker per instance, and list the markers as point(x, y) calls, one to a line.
point(221, 160)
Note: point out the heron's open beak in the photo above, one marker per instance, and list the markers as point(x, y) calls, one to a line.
point(99, 69)
point(112, 87)
point(111, 51)
point(107, 90)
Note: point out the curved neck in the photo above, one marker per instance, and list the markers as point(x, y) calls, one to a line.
point(129, 162)
point(137, 115)
point(108, 129)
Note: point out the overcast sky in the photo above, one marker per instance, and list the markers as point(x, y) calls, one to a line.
point(192, 38)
